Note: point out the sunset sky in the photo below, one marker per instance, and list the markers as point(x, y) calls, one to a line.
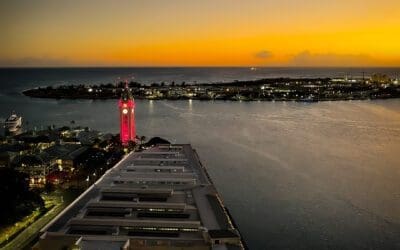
point(200, 33)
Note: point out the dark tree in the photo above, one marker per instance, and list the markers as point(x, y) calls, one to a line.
point(131, 145)
point(156, 140)
point(18, 200)
point(142, 139)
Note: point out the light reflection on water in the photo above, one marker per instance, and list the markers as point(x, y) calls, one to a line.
point(294, 175)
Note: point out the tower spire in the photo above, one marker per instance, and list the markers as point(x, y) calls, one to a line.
point(126, 106)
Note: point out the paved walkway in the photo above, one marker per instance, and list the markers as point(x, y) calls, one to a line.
point(32, 231)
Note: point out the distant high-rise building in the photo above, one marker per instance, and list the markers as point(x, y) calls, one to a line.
point(126, 106)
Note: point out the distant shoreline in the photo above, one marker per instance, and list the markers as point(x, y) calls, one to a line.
point(268, 89)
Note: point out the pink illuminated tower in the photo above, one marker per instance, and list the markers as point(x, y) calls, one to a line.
point(126, 106)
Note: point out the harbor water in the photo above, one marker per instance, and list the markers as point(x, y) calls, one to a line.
point(293, 175)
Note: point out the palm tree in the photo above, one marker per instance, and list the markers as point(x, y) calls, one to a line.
point(142, 139)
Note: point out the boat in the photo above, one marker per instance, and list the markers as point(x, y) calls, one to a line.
point(307, 99)
point(13, 123)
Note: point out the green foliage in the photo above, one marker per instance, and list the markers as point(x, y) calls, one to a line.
point(17, 200)
point(49, 187)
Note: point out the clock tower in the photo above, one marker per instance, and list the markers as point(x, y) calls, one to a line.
point(126, 106)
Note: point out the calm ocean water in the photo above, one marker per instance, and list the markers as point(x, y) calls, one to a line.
point(294, 176)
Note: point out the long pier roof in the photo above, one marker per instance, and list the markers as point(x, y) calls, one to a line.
point(160, 198)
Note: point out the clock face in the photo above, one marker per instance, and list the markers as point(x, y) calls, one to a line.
point(125, 111)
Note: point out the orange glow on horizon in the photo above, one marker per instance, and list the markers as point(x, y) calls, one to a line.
point(210, 33)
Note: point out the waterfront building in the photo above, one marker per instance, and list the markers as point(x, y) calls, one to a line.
point(126, 106)
point(160, 198)
point(34, 167)
point(63, 157)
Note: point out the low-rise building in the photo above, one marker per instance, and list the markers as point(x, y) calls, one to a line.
point(34, 167)
point(160, 198)
point(63, 157)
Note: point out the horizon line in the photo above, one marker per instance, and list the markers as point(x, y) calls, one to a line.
point(185, 66)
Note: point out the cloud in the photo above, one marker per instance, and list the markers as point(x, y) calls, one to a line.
point(307, 58)
point(263, 54)
point(35, 62)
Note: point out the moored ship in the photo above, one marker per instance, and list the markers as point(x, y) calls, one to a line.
point(13, 123)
